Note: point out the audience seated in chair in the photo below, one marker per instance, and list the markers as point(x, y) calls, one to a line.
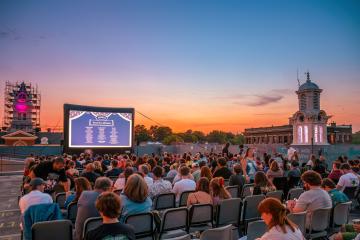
point(218, 191)
point(274, 171)
point(81, 184)
point(279, 226)
point(262, 185)
point(336, 195)
point(114, 171)
point(159, 185)
point(186, 183)
point(86, 204)
point(237, 179)
point(313, 198)
point(135, 198)
point(202, 194)
point(36, 196)
point(108, 205)
point(222, 170)
point(121, 181)
point(348, 179)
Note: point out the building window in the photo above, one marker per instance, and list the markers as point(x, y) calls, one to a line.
point(306, 134)
point(300, 134)
point(303, 102)
point(316, 101)
point(321, 132)
point(316, 132)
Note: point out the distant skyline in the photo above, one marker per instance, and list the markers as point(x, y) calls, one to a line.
point(201, 65)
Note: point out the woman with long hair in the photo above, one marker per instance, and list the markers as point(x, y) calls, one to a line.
point(206, 172)
point(279, 226)
point(135, 197)
point(202, 194)
point(248, 164)
point(218, 191)
point(262, 184)
point(81, 184)
point(123, 177)
point(274, 171)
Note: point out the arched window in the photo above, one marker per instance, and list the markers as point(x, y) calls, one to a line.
point(300, 134)
point(316, 134)
point(321, 132)
point(306, 134)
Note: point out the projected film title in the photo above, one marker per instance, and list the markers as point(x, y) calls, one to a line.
point(99, 129)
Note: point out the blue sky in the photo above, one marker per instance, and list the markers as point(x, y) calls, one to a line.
point(185, 62)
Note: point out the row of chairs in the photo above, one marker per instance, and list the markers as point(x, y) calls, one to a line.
point(168, 200)
point(247, 190)
point(62, 230)
point(180, 221)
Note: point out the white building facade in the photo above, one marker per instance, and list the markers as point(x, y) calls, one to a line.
point(310, 122)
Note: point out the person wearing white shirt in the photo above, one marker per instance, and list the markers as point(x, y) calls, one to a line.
point(184, 184)
point(36, 196)
point(313, 198)
point(279, 226)
point(348, 179)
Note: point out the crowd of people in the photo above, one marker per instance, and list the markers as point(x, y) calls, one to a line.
point(90, 180)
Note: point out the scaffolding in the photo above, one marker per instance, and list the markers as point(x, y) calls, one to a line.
point(31, 120)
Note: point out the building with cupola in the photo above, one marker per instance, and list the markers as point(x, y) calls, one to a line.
point(307, 126)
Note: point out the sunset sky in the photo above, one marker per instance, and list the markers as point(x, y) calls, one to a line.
point(187, 64)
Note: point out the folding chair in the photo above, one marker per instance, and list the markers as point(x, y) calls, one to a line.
point(250, 211)
point(200, 217)
point(164, 201)
point(350, 192)
point(90, 224)
point(54, 230)
point(143, 224)
point(280, 183)
point(39, 213)
point(319, 223)
point(293, 182)
point(340, 215)
point(72, 212)
point(228, 212)
point(174, 223)
point(183, 198)
point(256, 229)
point(247, 190)
point(300, 220)
point(233, 190)
point(60, 199)
point(276, 194)
point(223, 233)
point(294, 193)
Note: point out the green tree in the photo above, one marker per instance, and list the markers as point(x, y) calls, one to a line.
point(142, 134)
point(200, 136)
point(171, 139)
point(356, 138)
point(217, 136)
point(160, 133)
point(237, 139)
point(188, 136)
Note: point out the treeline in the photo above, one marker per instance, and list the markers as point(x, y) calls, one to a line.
point(356, 138)
point(167, 136)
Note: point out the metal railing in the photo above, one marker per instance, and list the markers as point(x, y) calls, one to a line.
point(11, 162)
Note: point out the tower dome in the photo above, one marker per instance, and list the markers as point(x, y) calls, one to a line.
point(308, 85)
